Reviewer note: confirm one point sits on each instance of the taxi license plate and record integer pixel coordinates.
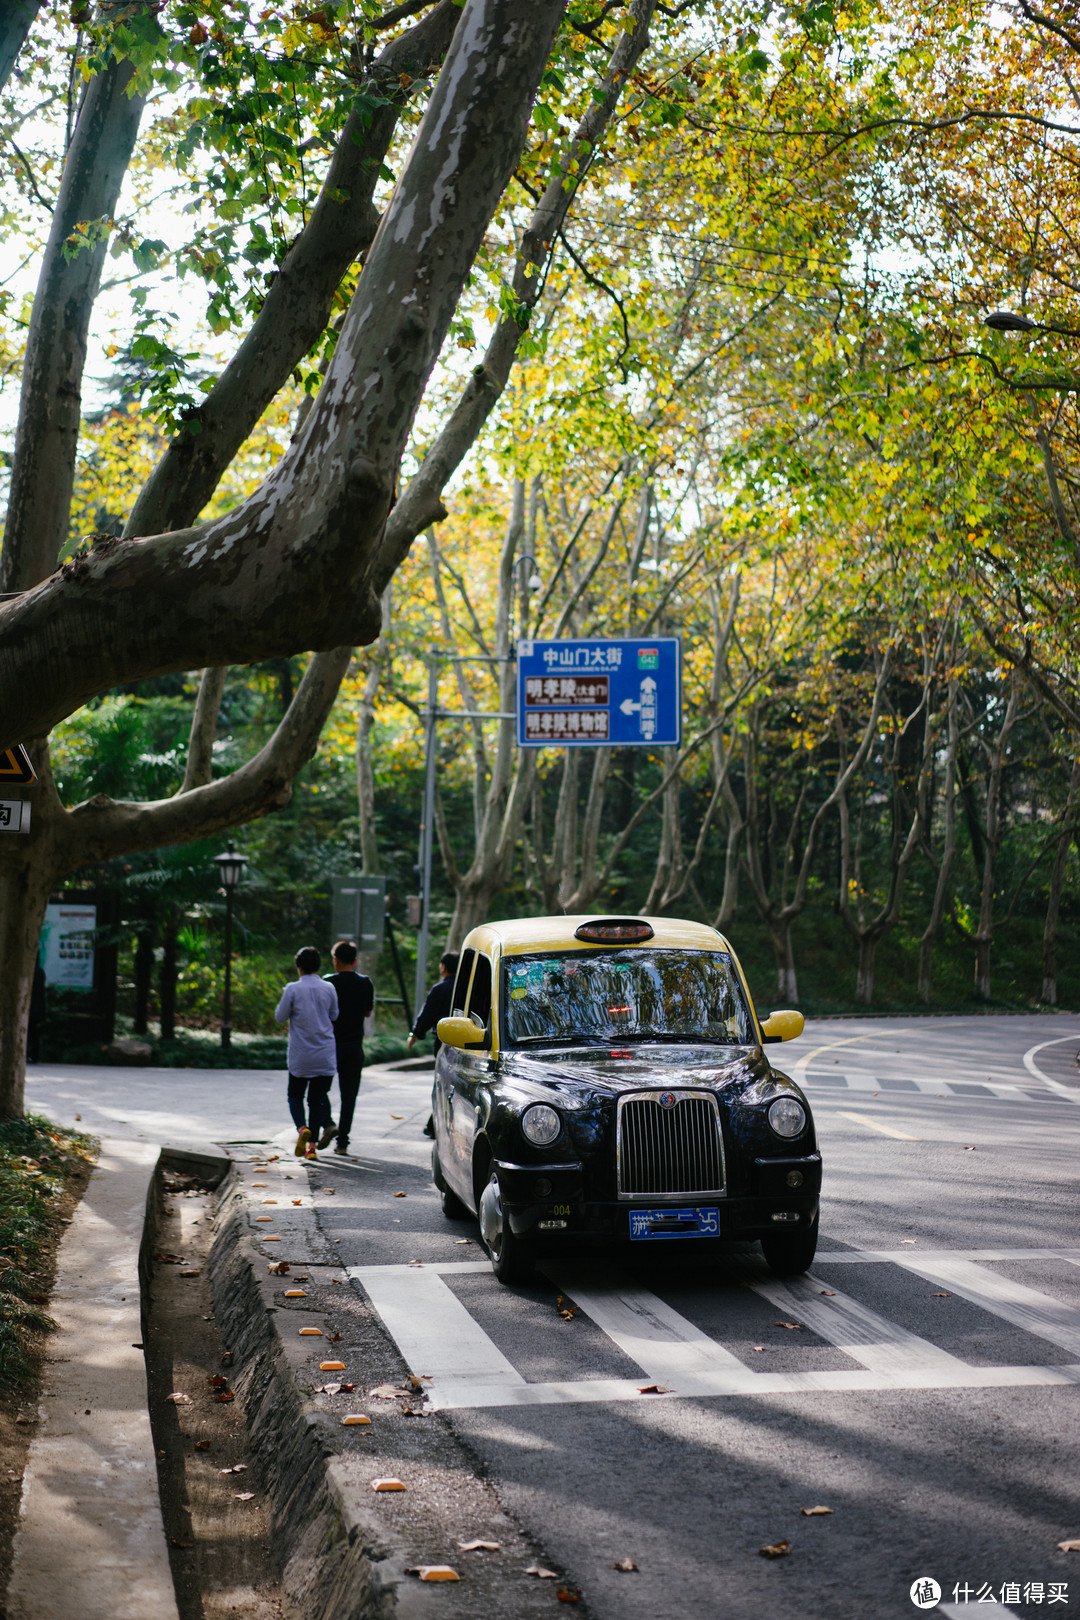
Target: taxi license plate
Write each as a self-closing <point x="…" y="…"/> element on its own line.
<point x="674" y="1223"/>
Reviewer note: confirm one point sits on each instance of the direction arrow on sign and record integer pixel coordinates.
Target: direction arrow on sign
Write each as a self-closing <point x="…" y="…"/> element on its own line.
<point x="15" y="767"/>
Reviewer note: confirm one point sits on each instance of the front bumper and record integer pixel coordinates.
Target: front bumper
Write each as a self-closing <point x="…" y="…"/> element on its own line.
<point x="565" y="1211"/>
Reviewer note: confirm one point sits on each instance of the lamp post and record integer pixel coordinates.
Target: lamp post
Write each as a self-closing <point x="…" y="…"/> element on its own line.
<point x="1007" y="320"/>
<point x="230" y="870"/>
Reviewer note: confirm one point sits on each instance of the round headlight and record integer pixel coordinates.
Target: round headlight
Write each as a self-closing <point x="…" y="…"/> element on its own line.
<point x="787" y="1117"/>
<point x="540" y="1125"/>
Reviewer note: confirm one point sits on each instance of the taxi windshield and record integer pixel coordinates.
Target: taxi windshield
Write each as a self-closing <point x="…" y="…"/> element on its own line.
<point x="570" y="997"/>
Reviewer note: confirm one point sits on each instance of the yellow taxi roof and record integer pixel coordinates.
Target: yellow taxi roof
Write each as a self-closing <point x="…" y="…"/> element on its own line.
<point x="515" y="935"/>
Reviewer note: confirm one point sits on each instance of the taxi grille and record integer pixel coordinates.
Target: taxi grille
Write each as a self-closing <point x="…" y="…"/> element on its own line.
<point x="673" y="1150"/>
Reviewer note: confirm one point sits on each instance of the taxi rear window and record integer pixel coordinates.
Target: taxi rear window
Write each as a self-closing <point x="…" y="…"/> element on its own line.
<point x="585" y="997"/>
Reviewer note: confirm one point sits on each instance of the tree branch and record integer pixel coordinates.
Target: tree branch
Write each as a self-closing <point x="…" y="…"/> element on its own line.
<point x="16" y="21"/>
<point x="200" y="755"/>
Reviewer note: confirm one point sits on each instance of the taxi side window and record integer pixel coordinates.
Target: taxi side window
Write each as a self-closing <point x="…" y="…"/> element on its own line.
<point x="480" y="996"/>
<point x="461" y="984"/>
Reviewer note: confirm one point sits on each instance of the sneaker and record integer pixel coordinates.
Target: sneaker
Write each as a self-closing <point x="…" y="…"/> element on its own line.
<point x="303" y="1142"/>
<point x="341" y="1145"/>
<point x="328" y="1135"/>
<point x="310" y="1153"/>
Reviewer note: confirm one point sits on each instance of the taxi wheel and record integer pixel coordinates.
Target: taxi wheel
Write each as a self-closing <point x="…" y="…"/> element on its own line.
<point x="788" y="1253"/>
<point x="511" y="1260"/>
<point x="451" y="1204"/>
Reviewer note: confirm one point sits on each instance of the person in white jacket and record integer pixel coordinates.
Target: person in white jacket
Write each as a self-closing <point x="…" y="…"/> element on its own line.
<point x="310" y="1005"/>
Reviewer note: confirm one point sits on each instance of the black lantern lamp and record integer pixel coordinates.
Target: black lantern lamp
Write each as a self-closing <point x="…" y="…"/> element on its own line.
<point x="231" y="867"/>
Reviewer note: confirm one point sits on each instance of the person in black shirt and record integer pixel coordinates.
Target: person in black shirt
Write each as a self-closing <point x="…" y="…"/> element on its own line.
<point x="437" y="1004"/>
<point x="356" y="999"/>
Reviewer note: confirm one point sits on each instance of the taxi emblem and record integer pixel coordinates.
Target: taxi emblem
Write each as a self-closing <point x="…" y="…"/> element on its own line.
<point x="667" y="1099"/>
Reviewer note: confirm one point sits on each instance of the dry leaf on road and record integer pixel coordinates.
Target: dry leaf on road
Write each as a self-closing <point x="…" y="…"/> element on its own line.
<point x="788" y="1325"/>
<point x="278" y="1268"/>
<point x="387" y="1392"/>
<point x="178" y="1398"/>
<point x="810" y="1513"/>
<point x="779" y="1549"/>
<point x="941" y="1296"/>
<point x="1068" y="1546"/>
<point x="480" y="1546"/>
<point x="244" y="1496"/>
<point x="401" y="1195"/>
<point x="202" y="1445"/>
<point x="757" y="1347"/>
<point x="830" y="1293"/>
<point x="544" y="1574"/>
<point x="654" y="1389"/>
<point x="626" y="1565"/>
<point x="569" y="1594"/>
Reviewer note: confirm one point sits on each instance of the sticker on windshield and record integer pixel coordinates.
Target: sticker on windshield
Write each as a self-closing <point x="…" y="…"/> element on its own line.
<point x="536" y="975"/>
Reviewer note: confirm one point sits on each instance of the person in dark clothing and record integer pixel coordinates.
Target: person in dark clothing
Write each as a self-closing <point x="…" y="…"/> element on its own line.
<point x="437" y="1004"/>
<point x="356" y="1000"/>
<point x="36" y="1021"/>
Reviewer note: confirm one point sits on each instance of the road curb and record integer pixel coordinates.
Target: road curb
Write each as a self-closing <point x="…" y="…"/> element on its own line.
<point x="336" y="1561"/>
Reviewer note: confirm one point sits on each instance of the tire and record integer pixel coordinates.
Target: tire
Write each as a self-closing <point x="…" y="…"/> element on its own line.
<point x="449" y="1202"/>
<point x="789" y="1253"/>
<point x="511" y="1260"/>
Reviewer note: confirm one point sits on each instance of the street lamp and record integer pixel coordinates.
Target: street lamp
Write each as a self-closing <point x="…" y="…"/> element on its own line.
<point x="230" y="870"/>
<point x="1007" y="320"/>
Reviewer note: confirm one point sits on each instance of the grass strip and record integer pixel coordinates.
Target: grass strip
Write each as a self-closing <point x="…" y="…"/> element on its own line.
<point x="43" y="1170"/>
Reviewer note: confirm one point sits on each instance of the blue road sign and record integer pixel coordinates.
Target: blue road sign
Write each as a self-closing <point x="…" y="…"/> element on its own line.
<point x="584" y="694"/>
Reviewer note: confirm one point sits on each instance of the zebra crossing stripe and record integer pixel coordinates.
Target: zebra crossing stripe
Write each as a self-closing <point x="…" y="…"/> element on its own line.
<point x="1027" y="1308"/>
<point x="871" y="1340"/>
<point x="437" y="1336"/>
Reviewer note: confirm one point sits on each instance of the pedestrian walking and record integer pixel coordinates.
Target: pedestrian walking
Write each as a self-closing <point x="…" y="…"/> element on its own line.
<point x="356" y="1001"/>
<point x="437" y="1004"/>
<point x="310" y="1005"/>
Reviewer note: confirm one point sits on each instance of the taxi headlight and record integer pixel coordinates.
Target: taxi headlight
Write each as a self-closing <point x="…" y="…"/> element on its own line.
<point x="787" y="1117"/>
<point x="540" y="1125"/>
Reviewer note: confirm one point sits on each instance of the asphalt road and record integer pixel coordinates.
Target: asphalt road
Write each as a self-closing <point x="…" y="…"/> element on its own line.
<point x="923" y="1384"/>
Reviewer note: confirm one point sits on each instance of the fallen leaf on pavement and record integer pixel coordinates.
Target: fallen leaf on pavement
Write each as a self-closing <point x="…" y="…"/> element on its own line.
<point x="227" y="1358"/>
<point x="335" y="1338"/>
<point x="234" y="1468"/>
<point x="969" y="1150"/>
<point x="544" y="1574"/>
<point x="757" y="1347"/>
<point x="829" y="1292"/>
<point x="910" y="1242"/>
<point x="191" y="1272"/>
<point x="278" y="1268"/>
<point x="218" y="1381"/>
<point x="273" y="1159"/>
<point x="810" y="1513"/>
<point x="202" y="1445"/>
<point x="779" y="1549"/>
<point x="243" y="1496"/>
<point x="1069" y="1546"/>
<point x="567" y="1312"/>
<point x="654" y="1389"/>
<point x="224" y="1396"/>
<point x="348" y="1388"/>
<point x="387" y="1485"/>
<point x="459" y="1241"/>
<point x="178" y="1398"/>
<point x="434" y="1572"/>
<point x="627" y="1565"/>
<point x="177" y="1541"/>
<point x="331" y="1389"/>
<point x="339" y="1280"/>
<point x="480" y="1546"/>
<point x="941" y="1296"/>
<point x="397" y="1116"/>
<point x="569" y="1594"/>
<point x="387" y="1392"/>
<point x="298" y="1200"/>
<point x="401" y="1195"/>
<point x="78" y="1116"/>
<point x="788" y="1325"/>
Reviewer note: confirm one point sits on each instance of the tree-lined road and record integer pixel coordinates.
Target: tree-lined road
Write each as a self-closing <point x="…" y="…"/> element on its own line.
<point x="927" y="1391"/>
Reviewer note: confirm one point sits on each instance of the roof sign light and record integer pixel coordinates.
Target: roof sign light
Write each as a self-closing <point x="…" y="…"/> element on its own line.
<point x="608" y="930"/>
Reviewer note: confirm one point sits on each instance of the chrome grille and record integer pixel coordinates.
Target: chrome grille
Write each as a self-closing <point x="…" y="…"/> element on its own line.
<point x="674" y="1151"/>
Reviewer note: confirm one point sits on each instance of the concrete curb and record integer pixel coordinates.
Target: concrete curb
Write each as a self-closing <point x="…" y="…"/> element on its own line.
<point x="336" y="1561"/>
<point x="90" y="1540"/>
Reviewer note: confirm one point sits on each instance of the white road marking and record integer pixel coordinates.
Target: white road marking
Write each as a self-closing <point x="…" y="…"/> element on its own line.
<point x="434" y="1332"/>
<point x="876" y="1125"/>
<point x="962" y="1611"/>
<point x="870" y="1339"/>
<point x="1033" y="1068"/>
<point x="664" y="1344"/>
<point x="438" y="1336"/>
<point x="1027" y="1308"/>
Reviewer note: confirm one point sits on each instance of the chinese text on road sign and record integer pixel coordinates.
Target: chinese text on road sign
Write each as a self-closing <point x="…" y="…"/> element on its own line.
<point x="577" y="694"/>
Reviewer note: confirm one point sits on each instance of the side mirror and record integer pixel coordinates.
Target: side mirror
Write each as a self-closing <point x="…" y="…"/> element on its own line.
<point x="782" y="1026"/>
<point x="460" y="1032"/>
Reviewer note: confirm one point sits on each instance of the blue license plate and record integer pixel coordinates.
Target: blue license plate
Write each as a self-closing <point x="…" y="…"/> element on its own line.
<point x="674" y="1223"/>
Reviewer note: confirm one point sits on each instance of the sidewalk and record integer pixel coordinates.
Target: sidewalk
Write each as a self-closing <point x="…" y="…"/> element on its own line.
<point x="90" y="1541"/>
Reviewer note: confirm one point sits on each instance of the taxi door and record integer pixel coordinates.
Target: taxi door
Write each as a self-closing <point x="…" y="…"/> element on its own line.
<point x="470" y="1069"/>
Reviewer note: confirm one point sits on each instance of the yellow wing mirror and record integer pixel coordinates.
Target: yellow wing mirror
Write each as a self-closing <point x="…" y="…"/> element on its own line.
<point x="779" y="1026"/>
<point x="460" y="1032"/>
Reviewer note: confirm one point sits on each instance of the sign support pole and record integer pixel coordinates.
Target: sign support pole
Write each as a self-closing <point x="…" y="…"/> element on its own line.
<point x="427" y="829"/>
